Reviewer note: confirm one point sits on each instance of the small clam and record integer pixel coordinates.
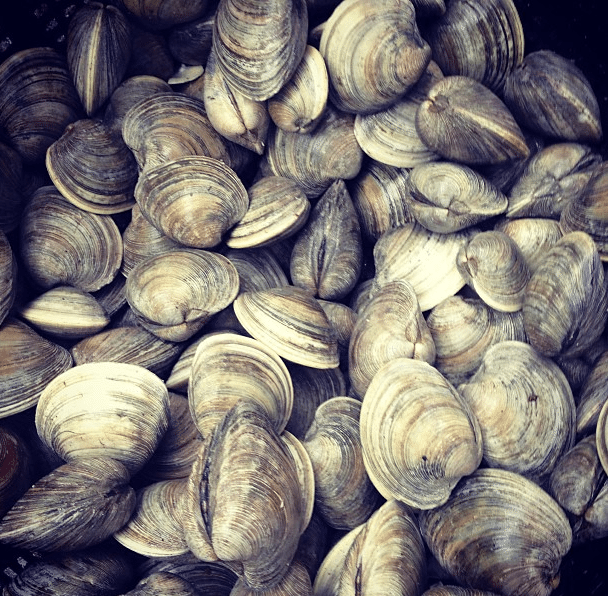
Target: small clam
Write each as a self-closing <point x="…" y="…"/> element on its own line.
<point x="104" y="409"/>
<point x="98" y="52"/>
<point x="77" y="505"/>
<point x="419" y="436"/>
<point x="174" y="294"/>
<point x="374" y="53"/>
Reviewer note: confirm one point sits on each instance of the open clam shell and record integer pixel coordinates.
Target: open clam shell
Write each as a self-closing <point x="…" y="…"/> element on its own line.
<point x="105" y="409"/>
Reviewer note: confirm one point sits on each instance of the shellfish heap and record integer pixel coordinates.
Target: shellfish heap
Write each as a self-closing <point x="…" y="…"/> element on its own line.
<point x="300" y="297"/>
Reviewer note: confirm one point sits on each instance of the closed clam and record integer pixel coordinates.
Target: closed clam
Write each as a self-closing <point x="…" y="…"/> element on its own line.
<point x="419" y="436"/>
<point x="525" y="408"/>
<point x="63" y="245"/>
<point x="174" y="294"/>
<point x="497" y="507"/>
<point x="104" y="409"/>
<point x="446" y="197"/>
<point x="374" y="53"/>
<point x="259" y="45"/>
<point x="77" y="505"/>
<point x="98" y="52"/>
<point x="194" y="200"/>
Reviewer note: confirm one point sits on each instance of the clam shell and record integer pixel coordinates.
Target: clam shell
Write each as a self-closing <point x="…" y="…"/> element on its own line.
<point x="292" y="323"/>
<point x="419" y="436"/>
<point x="64" y="245"/>
<point x="374" y="53"/>
<point x="596" y="518"/>
<point x="8" y="275"/>
<point x="190" y="42"/>
<point x="27" y="363"/>
<point x="163" y="582"/>
<point x="296" y="581"/>
<point x="228" y="367"/>
<point x="113" y="409"/>
<point x="259" y="45"/>
<point x="525" y="408"/>
<point x="300" y="103"/>
<point x="77" y="505"/>
<point x="93" y="168"/>
<point x="193" y="200"/>
<point x="601" y="437"/>
<point x="155" y="528"/>
<point x="98" y="52"/>
<point x="493" y="507"/>
<point x="464" y="121"/>
<point x="259" y="269"/>
<point x="174" y="294"/>
<point x="390" y="326"/>
<point x="592" y="396"/>
<point x="327" y="254"/>
<point x="342" y="319"/>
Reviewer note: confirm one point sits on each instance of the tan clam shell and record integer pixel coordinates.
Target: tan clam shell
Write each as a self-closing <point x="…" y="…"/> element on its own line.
<point x="300" y="103"/>
<point x="565" y="300"/>
<point x="193" y="200"/>
<point x="292" y="323"/>
<point x="463" y="329"/>
<point x="259" y="45"/>
<point x="464" y="121"/>
<point x="228" y="367"/>
<point x="179" y="377"/>
<point x="113" y="409"/>
<point x="525" y="408"/>
<point x="492" y="507"/>
<point x="552" y="178"/>
<point x="481" y="40"/>
<point x="278" y="208"/>
<point x="425" y="259"/>
<point x="493" y="266"/>
<point x="63" y="245"/>
<point x="155" y="528"/>
<point x="8" y="275"/>
<point x="374" y="53"/>
<point x="418" y="434"/>
<point x="174" y="294"/>
<point x="37" y="100"/>
<point x="344" y="494"/>
<point x="327" y="255"/>
<point x="390" y="326"/>
<point x="28" y="362"/>
<point x="98" y="52"/>
<point x="77" y="505"/>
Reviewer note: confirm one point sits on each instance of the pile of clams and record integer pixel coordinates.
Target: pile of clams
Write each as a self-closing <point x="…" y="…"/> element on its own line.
<point x="300" y="297"/>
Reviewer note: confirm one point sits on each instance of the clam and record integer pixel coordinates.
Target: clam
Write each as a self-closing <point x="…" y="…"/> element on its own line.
<point x="11" y="189"/>
<point x="550" y="95"/>
<point x="259" y="269"/>
<point x="190" y="42"/>
<point x="326" y="257"/>
<point x="342" y="319"/>
<point x="112" y="296"/>
<point x="464" y="121"/>
<point x="482" y="40"/>
<point x="344" y="494"/>
<point x="93" y="168"/>
<point x="463" y="329"/>
<point x="292" y="323"/>
<point x="16" y="464"/>
<point x="278" y="208"/>
<point x="235" y="116"/>
<point x="155" y="528"/>
<point x="552" y="178"/>
<point x="116" y="410"/>
<point x="565" y="300"/>
<point x="500" y="532"/>
<point x="174" y="294"/>
<point x="419" y="436"/>
<point x="390" y="326"/>
<point x="493" y="266"/>
<point x="228" y="367"/>
<point x="63" y="245"/>
<point x="295" y="582"/>
<point x="592" y="396"/>
<point x="446" y="197"/>
<point x="37" y="101"/>
<point x="98" y="52"/>
<point x="28" y="362"/>
<point x="374" y="53"/>
<point x="8" y="277"/>
<point x="595" y="521"/>
<point x="525" y="408"/>
<point x="259" y="45"/>
<point x="77" y="505"/>
<point x="300" y="103"/>
<point x="163" y="582"/>
<point x="65" y="312"/>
